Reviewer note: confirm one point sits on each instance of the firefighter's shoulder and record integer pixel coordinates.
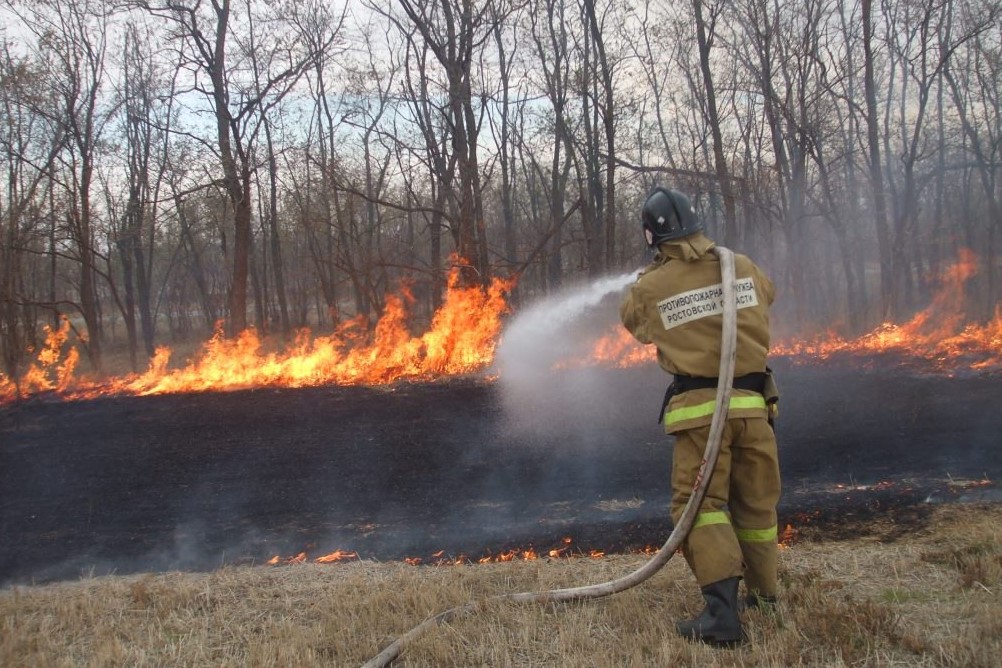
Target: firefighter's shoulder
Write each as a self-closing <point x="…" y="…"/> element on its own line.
<point x="653" y="266"/>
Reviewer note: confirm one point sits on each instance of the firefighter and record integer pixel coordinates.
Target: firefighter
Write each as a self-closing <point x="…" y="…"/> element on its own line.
<point x="677" y="305"/>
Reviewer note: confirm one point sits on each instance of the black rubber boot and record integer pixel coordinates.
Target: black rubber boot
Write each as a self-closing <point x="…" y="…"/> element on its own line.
<point x="718" y="624"/>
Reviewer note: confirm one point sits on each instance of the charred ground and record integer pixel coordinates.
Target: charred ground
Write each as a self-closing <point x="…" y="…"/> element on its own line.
<point x="463" y="466"/>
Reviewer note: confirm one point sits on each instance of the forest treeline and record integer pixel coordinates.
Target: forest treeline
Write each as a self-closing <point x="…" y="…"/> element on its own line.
<point x="172" y="164"/>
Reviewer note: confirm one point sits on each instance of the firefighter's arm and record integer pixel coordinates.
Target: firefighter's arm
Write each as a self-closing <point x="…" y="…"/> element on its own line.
<point x="633" y="315"/>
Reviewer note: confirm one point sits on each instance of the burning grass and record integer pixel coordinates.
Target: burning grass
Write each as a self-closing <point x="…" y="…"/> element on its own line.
<point x="460" y="339"/>
<point x="931" y="598"/>
<point x="939" y="338"/>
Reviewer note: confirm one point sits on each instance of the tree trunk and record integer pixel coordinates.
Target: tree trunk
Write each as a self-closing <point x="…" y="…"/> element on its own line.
<point x="876" y="175"/>
<point x="278" y="266"/>
<point x="704" y="41"/>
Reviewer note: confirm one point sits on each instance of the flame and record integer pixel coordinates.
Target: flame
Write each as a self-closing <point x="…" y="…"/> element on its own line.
<point x="937" y="335"/>
<point x="788" y="537"/>
<point x="511" y="555"/>
<point x="335" y="556"/>
<point x="617" y="349"/>
<point x="876" y="487"/>
<point x="561" y="551"/>
<point x="508" y="556"/>
<point x="298" y="559"/>
<point x="52" y="370"/>
<point x="301" y="558"/>
<point x="961" y="484"/>
<point x="461" y="338"/>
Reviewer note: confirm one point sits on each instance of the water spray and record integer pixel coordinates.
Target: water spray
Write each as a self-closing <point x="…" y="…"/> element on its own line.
<point x="528" y="349"/>
<point x="675" y="539"/>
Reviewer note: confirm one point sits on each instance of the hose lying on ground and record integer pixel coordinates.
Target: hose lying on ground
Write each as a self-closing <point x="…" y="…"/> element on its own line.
<point x="678" y="534"/>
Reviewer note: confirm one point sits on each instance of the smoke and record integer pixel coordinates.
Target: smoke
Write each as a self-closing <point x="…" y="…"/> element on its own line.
<point x="546" y="384"/>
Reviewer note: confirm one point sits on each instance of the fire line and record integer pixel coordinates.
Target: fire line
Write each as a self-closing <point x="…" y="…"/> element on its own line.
<point x="462" y="338"/>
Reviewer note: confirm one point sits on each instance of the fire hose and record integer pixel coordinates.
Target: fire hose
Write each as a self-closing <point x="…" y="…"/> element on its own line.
<point x="679" y="532"/>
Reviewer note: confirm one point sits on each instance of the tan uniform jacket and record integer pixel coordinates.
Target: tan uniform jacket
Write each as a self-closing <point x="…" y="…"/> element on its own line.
<point x="676" y="304"/>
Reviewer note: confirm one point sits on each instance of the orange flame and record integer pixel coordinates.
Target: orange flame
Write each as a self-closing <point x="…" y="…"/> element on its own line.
<point x="937" y="335"/>
<point x="788" y="538"/>
<point x="618" y="349"/>
<point x="528" y="554"/>
<point x="335" y="556"/>
<point x="301" y="558"/>
<point x="561" y="551"/>
<point x="461" y="339"/>
<point x="51" y="371"/>
<point x="514" y="555"/>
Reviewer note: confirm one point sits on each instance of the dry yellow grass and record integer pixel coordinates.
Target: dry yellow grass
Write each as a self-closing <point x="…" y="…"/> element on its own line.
<point x="930" y="599"/>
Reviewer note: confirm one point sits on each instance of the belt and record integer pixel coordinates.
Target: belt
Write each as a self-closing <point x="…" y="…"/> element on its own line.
<point x="682" y="383"/>
<point x="752" y="381"/>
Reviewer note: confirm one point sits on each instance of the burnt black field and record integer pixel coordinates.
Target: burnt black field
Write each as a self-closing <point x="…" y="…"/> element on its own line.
<point x="463" y="466"/>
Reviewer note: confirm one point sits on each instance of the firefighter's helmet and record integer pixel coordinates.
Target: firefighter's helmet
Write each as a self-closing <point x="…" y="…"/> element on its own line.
<point x="667" y="215"/>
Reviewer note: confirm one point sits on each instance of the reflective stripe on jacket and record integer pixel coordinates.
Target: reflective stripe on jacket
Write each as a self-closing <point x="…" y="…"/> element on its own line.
<point x="675" y="417"/>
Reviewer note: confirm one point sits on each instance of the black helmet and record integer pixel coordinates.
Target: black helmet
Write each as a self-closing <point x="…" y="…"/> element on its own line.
<point x="667" y="215"/>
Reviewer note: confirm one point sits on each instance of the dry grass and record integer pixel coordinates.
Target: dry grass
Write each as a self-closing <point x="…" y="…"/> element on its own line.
<point x="930" y="599"/>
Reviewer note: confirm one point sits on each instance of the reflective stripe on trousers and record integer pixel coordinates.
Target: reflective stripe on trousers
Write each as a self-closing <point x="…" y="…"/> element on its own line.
<point x="745" y="535"/>
<point x="758" y="535"/>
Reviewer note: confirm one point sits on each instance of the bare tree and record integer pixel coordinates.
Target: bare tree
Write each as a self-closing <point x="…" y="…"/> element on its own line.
<point x="315" y="190"/>
<point x="920" y="43"/>
<point x="785" y="61"/>
<point x="72" y="41"/>
<point x="706" y="25"/>
<point x="239" y="106"/>
<point x="30" y="140"/>
<point x="454" y="31"/>
<point x="550" y="35"/>
<point x="143" y="129"/>
<point x="431" y="118"/>
<point x="372" y="88"/>
<point x="874" y="161"/>
<point x="605" y="105"/>
<point x="509" y="108"/>
<point x="976" y="91"/>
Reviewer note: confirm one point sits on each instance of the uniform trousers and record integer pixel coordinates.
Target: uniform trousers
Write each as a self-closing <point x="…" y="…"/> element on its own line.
<point x="735" y="532"/>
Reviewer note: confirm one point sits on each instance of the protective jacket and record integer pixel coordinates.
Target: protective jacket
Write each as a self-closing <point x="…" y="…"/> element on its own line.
<point x="677" y="304"/>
